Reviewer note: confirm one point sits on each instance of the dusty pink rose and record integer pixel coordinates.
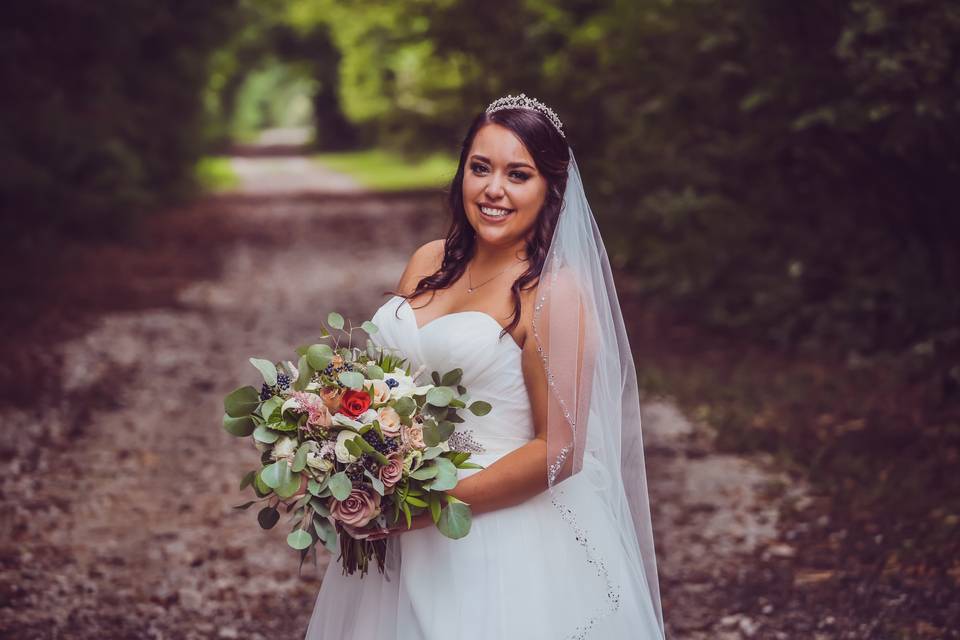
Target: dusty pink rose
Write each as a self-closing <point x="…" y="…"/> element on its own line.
<point x="392" y="472"/>
<point x="359" y="508"/>
<point x="412" y="436"/>
<point x="381" y="391"/>
<point x="389" y="421"/>
<point x="331" y="397"/>
<point x="317" y="412"/>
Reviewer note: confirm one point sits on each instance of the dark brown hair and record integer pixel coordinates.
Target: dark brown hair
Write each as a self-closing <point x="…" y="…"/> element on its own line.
<point x="551" y="156"/>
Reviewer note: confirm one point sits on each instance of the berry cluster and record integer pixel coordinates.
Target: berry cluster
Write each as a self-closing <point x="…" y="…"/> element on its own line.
<point x="392" y="383"/>
<point x="283" y="381"/>
<point x="374" y="441"/>
<point x="354" y="471"/>
<point x="265" y="392"/>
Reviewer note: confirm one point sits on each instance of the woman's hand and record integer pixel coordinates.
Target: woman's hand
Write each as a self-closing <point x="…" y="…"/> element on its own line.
<point x="417" y="522"/>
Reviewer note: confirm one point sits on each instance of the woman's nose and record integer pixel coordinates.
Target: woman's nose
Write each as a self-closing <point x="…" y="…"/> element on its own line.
<point x="494" y="188"/>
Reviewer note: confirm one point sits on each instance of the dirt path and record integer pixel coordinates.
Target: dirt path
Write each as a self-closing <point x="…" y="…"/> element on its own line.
<point x="117" y="493"/>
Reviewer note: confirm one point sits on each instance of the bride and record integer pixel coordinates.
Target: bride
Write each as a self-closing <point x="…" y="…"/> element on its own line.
<point x="520" y="296"/>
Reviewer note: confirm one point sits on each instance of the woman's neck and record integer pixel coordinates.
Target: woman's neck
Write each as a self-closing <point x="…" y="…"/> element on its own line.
<point x="489" y="256"/>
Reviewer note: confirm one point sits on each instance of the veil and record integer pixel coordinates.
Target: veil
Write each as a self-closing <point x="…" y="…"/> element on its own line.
<point x="593" y="411"/>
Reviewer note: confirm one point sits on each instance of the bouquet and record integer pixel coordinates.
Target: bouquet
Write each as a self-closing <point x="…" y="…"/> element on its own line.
<point x="350" y="444"/>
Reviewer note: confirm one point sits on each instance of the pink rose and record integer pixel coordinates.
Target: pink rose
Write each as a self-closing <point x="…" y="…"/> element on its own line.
<point x="412" y="436"/>
<point x="389" y="421"/>
<point x="392" y="472"/>
<point x="317" y="412"/>
<point x="359" y="508"/>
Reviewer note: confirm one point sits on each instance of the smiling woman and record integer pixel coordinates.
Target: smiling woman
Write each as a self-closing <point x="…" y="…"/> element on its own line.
<point x="557" y="546"/>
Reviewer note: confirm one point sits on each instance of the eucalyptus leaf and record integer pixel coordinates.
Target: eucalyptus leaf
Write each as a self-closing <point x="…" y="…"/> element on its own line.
<point x="340" y="486"/>
<point x="452" y="378"/>
<point x="268" y="517"/>
<point x="435" y="377"/>
<point x="315" y="487"/>
<point x="369" y="327"/>
<point x="352" y="447"/>
<point x="327" y="533"/>
<point x="247" y="479"/>
<point x="434" y="433"/>
<point x="240" y="427"/>
<point x="440" y="396"/>
<point x="431" y="452"/>
<point x="267" y="369"/>
<point x="319" y="356"/>
<point x="319" y="507"/>
<point x="304" y="373"/>
<point x="351" y="379"/>
<point x="446" y="475"/>
<point x="241" y="402"/>
<point x="425" y="472"/>
<point x="290" y="487"/>
<point x="276" y="474"/>
<point x="480" y="408"/>
<point x="265" y="435"/>
<point x="435" y="506"/>
<point x="374" y="372"/>
<point x="417" y="502"/>
<point x="300" y="460"/>
<point x="376" y="482"/>
<point x="299" y="539"/>
<point x="260" y="487"/>
<point x="455" y="520"/>
<point x="335" y="320"/>
<point x="270" y="406"/>
<point x="405" y="406"/>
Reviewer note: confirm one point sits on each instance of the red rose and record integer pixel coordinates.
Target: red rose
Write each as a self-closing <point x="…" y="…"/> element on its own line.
<point x="354" y="403"/>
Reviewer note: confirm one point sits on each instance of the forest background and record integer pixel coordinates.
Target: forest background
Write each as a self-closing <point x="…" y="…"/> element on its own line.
<point x="775" y="181"/>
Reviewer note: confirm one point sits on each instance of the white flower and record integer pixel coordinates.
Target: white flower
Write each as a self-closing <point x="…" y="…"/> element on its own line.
<point x="405" y="385"/>
<point x="284" y="448"/>
<point x="367" y="416"/>
<point x="315" y="460"/>
<point x="343" y="455"/>
<point x="344" y="421"/>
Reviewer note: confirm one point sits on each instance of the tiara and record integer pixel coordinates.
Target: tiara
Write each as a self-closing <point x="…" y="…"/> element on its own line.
<point x="523" y="102"/>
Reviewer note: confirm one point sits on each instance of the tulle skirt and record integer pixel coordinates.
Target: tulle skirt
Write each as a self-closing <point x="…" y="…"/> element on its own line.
<point x="551" y="567"/>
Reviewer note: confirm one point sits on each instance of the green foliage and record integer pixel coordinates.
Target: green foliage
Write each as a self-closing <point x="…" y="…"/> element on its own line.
<point x="382" y="170"/>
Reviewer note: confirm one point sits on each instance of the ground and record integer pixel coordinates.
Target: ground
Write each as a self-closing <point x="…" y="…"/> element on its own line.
<point x="118" y="482"/>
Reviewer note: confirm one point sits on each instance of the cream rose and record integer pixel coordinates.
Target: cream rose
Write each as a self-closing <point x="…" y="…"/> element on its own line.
<point x="358" y="509"/>
<point x="331" y="397"/>
<point x="412" y="436"/>
<point x="284" y="448"/>
<point x="340" y="448"/>
<point x="389" y="421"/>
<point x="381" y="391"/>
<point x="316" y="461"/>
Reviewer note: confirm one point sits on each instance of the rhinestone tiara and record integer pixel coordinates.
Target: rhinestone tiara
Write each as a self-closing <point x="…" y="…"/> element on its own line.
<point x="523" y="102"/>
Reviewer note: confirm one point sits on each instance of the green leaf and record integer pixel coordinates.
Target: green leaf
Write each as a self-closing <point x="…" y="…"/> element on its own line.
<point x="240" y="427"/>
<point x="452" y="378"/>
<point x="300" y="460"/>
<point x="446" y="475"/>
<point x="455" y="520"/>
<point x="299" y="539"/>
<point x="335" y="320"/>
<point x="265" y="435"/>
<point x="470" y="465"/>
<point x="435" y="377"/>
<point x="276" y="474"/>
<point x="340" y="485"/>
<point x="431" y="453"/>
<point x="376" y="482"/>
<point x="304" y="373"/>
<point x="268" y="517"/>
<point x="327" y="533"/>
<point x="290" y="487"/>
<point x="366" y="447"/>
<point x="241" y="402"/>
<point x="351" y="379"/>
<point x="319" y="507"/>
<point x="405" y="406"/>
<point x="369" y="327"/>
<point x="440" y="396"/>
<point x="319" y="356"/>
<point x="259" y="486"/>
<point x="267" y="369"/>
<point x="315" y="487"/>
<point x="245" y="505"/>
<point x="425" y="472"/>
<point x="247" y="479"/>
<point x="406" y="513"/>
<point x="457" y="404"/>
<point x="270" y="406"/>
<point x="352" y="447"/>
<point x="435" y="433"/>
<point x="374" y="372"/>
<point x="417" y="502"/>
<point x="480" y="408"/>
<point x="435" y="506"/>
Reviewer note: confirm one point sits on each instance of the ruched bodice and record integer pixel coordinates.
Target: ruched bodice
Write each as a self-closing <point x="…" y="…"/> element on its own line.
<point x="491" y="368"/>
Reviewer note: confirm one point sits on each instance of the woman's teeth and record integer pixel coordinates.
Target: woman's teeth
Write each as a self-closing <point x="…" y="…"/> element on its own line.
<point x="495" y="213"/>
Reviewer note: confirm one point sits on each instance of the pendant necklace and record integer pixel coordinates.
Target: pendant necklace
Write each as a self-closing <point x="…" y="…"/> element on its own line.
<point x="471" y="288"/>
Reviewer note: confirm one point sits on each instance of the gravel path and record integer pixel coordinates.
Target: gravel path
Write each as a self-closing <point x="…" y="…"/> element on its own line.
<point x="118" y="493"/>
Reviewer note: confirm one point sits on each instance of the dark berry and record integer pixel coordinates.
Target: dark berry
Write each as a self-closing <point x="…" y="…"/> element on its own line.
<point x="392" y="383"/>
<point x="283" y="381"/>
<point x="265" y="392"/>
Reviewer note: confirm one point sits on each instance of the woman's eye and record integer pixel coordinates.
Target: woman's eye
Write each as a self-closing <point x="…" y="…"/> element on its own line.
<point x="476" y="168"/>
<point x="520" y="175"/>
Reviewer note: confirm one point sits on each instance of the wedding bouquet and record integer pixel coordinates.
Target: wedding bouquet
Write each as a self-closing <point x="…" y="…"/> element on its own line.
<point x="350" y="444"/>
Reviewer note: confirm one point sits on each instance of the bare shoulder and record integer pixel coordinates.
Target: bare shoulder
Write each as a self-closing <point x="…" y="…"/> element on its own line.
<point x="424" y="261"/>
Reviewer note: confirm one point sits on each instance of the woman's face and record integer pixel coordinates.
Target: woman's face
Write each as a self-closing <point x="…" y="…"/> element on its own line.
<point x="502" y="189"/>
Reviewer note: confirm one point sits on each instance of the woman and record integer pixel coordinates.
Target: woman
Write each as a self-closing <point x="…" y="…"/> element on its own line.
<point x="520" y="296"/>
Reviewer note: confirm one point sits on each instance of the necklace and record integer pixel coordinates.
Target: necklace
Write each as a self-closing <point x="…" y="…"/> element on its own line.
<point x="471" y="288"/>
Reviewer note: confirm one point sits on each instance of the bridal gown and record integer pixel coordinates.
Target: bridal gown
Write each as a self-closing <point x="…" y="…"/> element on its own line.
<point x="550" y="567"/>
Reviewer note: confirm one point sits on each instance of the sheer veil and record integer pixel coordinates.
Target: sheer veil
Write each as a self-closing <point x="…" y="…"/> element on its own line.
<point x="593" y="411"/>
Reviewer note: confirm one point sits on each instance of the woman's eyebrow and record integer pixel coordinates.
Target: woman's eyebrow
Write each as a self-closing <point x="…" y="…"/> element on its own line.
<point x="509" y="164"/>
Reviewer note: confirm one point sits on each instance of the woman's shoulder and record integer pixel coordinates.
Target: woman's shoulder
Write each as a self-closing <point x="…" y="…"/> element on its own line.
<point x="424" y="262"/>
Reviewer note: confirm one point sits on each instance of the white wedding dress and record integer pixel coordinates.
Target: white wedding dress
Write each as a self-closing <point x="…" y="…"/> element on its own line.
<point x="531" y="571"/>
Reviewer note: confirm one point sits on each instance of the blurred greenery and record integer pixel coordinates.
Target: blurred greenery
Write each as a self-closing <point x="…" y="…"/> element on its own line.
<point x="387" y="171"/>
<point x="214" y="173"/>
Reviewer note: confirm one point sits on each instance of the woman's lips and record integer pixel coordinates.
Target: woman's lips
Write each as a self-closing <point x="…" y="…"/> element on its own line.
<point x="495" y="218"/>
